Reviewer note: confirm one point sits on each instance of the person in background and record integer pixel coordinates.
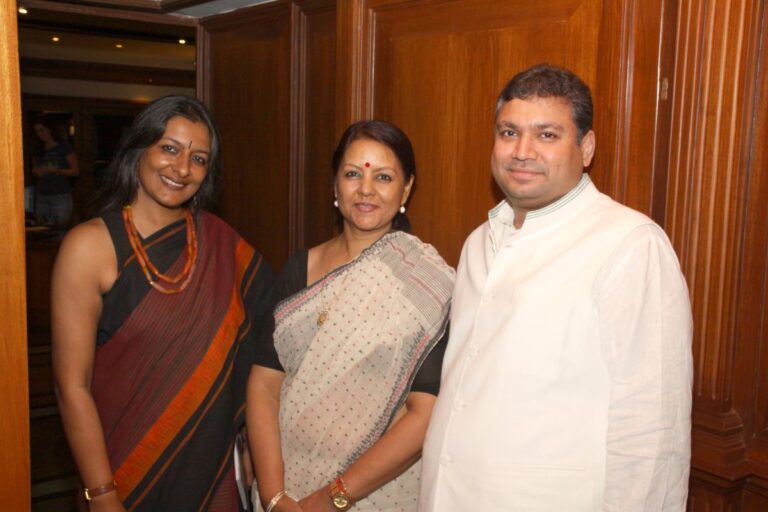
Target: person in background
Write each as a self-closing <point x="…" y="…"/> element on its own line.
<point x="567" y="381"/>
<point x="342" y="390"/>
<point x="155" y="308"/>
<point x="54" y="165"/>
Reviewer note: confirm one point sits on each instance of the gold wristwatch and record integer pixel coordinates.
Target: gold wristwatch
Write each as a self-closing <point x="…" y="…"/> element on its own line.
<point x="339" y="496"/>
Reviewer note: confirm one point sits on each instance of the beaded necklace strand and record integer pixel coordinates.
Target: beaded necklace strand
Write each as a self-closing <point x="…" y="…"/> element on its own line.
<point x="185" y="276"/>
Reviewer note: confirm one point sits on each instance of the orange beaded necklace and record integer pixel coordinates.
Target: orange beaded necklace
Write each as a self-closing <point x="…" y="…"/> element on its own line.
<point x="185" y="276"/>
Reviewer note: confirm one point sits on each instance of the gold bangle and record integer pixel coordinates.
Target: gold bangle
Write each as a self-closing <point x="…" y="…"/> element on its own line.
<point x="98" y="491"/>
<point x="273" y="502"/>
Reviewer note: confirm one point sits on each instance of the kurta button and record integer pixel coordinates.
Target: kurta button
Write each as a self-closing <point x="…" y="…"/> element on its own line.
<point x="445" y="459"/>
<point x="473" y="350"/>
<point x="458" y="405"/>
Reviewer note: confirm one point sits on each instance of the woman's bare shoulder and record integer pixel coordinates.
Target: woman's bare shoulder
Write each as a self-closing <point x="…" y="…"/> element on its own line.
<point x="87" y="250"/>
<point x="86" y="237"/>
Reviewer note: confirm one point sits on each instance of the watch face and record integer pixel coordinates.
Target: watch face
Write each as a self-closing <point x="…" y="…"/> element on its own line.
<point x="340" y="502"/>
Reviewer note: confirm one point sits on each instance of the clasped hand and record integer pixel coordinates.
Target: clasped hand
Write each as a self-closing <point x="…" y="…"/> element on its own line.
<point x="318" y="501"/>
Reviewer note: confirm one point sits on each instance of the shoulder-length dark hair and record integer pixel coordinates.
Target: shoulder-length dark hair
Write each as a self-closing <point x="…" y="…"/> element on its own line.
<point x="121" y="178"/>
<point x="391" y="136"/>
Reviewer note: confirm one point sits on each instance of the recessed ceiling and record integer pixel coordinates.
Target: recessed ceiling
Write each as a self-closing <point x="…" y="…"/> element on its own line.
<point x="39" y="44"/>
<point x="86" y="35"/>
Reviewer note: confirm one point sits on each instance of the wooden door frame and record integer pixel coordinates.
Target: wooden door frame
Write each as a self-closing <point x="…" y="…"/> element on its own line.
<point x="14" y="422"/>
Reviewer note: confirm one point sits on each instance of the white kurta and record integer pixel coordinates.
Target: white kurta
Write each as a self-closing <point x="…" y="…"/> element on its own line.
<point x="567" y="378"/>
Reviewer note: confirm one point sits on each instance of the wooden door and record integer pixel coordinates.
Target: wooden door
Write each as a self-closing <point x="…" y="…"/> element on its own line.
<point x="269" y="79"/>
<point x="434" y="68"/>
<point x="14" y="420"/>
<point x="247" y="85"/>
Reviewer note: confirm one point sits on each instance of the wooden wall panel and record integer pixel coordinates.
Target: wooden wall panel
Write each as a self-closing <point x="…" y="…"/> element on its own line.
<point x="314" y="136"/>
<point x="750" y="374"/>
<point x="435" y="68"/>
<point x="269" y="78"/>
<point x="716" y="214"/>
<point x="680" y="88"/>
<point x="246" y="82"/>
<point x="14" y="420"/>
<point x="713" y="97"/>
<point x="755" y="496"/>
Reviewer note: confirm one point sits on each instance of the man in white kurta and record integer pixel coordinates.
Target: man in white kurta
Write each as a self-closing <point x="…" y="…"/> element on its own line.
<point x="567" y="378"/>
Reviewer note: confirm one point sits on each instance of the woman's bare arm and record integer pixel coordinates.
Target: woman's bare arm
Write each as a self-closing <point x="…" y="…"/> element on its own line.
<point x="262" y="414"/>
<point x="85" y="268"/>
<point x="391" y="455"/>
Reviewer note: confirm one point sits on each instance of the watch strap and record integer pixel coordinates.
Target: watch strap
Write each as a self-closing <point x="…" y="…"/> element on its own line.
<point x="98" y="491"/>
<point x="339" y="494"/>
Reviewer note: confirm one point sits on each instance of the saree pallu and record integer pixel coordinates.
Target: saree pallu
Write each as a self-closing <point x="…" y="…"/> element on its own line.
<point x="347" y="379"/>
<point x="169" y="383"/>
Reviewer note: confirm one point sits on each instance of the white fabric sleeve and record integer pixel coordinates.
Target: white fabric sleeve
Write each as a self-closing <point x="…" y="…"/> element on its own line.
<point x="645" y="326"/>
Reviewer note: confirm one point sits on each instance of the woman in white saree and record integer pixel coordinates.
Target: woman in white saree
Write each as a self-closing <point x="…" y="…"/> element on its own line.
<point x="341" y="394"/>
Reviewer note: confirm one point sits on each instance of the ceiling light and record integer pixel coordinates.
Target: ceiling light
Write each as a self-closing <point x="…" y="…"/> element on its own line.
<point x="118" y="45"/>
<point x="182" y="41"/>
<point x="55" y="39"/>
<point x="23" y="10"/>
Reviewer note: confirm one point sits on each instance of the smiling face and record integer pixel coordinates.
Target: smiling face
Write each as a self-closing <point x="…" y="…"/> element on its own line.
<point x="536" y="157"/>
<point x="370" y="186"/>
<point x="173" y="168"/>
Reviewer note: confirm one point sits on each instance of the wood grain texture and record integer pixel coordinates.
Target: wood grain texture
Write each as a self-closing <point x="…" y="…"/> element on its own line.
<point x="313" y="138"/>
<point x="14" y="420"/>
<point x="716" y="214"/>
<point x="750" y="375"/>
<point x="246" y="56"/>
<point x="709" y="167"/>
<point x="435" y="68"/>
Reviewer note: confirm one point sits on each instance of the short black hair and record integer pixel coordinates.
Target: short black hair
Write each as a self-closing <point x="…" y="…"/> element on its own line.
<point x="547" y="81"/>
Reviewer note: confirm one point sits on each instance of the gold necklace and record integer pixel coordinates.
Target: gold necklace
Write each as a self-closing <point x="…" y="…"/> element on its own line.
<point x="325" y="308"/>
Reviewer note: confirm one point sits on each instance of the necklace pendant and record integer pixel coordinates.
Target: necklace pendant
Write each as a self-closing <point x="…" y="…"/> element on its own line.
<point x="322" y="317"/>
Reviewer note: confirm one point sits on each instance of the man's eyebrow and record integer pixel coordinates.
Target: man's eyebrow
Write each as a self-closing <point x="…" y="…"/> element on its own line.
<point x="550" y="126"/>
<point x="506" y="124"/>
<point x="538" y="126"/>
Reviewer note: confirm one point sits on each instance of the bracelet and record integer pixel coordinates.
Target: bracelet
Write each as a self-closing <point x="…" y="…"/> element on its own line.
<point x="274" y="500"/>
<point x="339" y="495"/>
<point x="98" y="491"/>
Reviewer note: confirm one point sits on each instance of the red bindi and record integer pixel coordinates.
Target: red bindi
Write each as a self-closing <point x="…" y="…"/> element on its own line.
<point x="367" y="164"/>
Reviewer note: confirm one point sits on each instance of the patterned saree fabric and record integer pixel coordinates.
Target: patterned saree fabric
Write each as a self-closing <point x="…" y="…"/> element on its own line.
<point x="347" y="379"/>
<point x="169" y="383"/>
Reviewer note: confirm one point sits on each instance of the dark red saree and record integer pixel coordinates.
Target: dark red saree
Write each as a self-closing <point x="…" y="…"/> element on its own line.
<point x="169" y="379"/>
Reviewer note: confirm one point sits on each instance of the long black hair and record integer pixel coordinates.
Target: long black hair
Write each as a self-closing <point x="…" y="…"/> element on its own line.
<point x="391" y="136"/>
<point x="121" y="178"/>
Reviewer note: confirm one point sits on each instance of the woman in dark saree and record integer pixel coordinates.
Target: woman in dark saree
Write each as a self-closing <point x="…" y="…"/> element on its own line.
<point x="341" y="393"/>
<point x="155" y="303"/>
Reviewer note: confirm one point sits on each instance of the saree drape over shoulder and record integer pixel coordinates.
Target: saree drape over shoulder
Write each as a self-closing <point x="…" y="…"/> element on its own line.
<point x="347" y="378"/>
<point x="170" y="370"/>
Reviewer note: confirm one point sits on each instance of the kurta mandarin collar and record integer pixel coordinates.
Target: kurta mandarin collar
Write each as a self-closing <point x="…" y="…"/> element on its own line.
<point x="501" y="217"/>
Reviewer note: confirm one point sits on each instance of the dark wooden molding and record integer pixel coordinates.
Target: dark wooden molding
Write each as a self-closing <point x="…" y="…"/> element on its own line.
<point x="246" y="55"/>
<point x="302" y="198"/>
<point x="102" y="72"/>
<point x="152" y="16"/>
<point x="717" y="184"/>
<point x="139" y="5"/>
